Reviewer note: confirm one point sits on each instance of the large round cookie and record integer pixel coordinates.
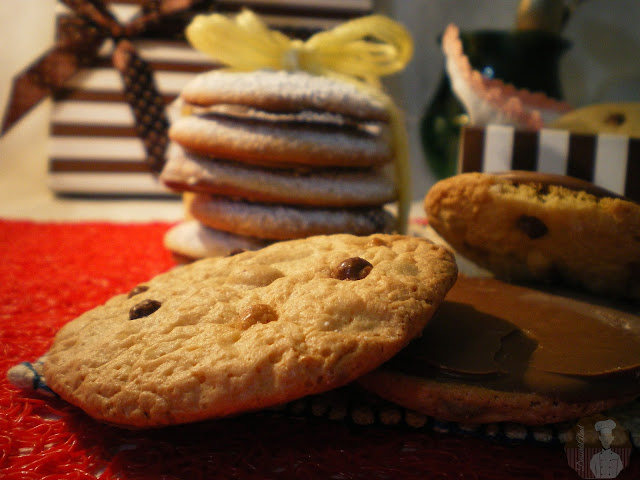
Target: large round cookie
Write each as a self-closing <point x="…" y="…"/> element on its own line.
<point x="286" y="222"/>
<point x="496" y="352"/>
<point x="280" y="91"/>
<point x="280" y="144"/>
<point x="320" y="187"/>
<point x="280" y="119"/>
<point x="541" y="227"/>
<point x="225" y="335"/>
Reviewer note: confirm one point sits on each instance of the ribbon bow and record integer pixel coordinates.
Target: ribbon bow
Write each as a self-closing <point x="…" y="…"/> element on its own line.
<point x="79" y="39"/>
<point x="365" y="48"/>
<point x="360" y="50"/>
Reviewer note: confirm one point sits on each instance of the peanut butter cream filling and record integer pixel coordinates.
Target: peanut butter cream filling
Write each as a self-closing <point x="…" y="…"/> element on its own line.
<point x="512" y="338"/>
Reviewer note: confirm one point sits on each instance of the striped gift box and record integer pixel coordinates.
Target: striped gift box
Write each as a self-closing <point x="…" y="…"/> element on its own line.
<point x="610" y="161"/>
<point x="94" y="145"/>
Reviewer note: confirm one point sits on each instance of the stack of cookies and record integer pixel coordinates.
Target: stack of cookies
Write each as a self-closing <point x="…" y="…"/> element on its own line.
<point x="271" y="155"/>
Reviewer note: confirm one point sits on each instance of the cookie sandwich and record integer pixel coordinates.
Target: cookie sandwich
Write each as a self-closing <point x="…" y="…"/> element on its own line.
<point x="498" y="352"/>
<point x="542" y="228"/>
<point x="226" y="335"/>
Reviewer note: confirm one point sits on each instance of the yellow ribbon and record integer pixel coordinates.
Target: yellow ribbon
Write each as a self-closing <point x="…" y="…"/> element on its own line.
<point x="361" y="50"/>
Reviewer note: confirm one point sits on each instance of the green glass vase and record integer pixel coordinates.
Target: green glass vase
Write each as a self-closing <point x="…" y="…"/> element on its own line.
<point x="526" y="59"/>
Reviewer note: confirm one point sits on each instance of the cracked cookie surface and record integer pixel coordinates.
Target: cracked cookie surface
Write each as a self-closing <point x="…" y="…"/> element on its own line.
<point x="226" y="335"/>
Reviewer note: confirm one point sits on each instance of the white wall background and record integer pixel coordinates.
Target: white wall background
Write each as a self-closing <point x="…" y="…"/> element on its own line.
<point x="602" y="65"/>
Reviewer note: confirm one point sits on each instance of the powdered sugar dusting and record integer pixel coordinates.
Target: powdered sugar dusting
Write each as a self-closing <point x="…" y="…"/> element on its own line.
<point x="283" y="91"/>
<point x="491" y="100"/>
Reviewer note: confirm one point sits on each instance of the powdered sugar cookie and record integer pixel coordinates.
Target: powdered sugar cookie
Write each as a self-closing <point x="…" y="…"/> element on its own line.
<point x="285" y="222"/>
<point x="280" y="144"/>
<point x="322" y="187"/>
<point x="190" y="240"/>
<point x="280" y="91"/>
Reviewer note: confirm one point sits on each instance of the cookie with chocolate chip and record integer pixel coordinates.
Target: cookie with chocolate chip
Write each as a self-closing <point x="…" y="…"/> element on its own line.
<point x="527" y="226"/>
<point x="229" y="334"/>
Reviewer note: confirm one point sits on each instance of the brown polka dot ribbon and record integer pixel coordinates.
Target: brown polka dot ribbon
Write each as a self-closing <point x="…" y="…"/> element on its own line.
<point x="79" y="38"/>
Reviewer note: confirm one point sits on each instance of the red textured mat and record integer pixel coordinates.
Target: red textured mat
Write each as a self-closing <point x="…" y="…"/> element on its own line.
<point x="50" y="273"/>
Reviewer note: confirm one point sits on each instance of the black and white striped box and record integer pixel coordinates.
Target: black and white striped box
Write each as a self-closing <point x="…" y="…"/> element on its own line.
<point x="610" y="161"/>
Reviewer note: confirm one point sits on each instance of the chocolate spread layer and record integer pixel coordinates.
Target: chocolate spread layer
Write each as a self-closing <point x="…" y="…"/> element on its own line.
<point x="512" y="338"/>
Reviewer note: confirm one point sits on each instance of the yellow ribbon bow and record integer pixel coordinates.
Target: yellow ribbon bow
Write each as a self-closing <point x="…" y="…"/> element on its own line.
<point x="361" y="50"/>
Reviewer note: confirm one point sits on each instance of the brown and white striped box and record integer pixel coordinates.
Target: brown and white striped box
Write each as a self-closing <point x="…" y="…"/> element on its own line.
<point x="94" y="147"/>
<point x="610" y="161"/>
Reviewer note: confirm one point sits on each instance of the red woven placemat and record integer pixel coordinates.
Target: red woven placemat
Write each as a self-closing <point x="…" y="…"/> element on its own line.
<point x="50" y="273"/>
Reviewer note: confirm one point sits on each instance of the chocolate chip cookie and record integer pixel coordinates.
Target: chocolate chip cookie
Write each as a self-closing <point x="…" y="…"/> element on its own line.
<point x="527" y="226"/>
<point x="225" y="335"/>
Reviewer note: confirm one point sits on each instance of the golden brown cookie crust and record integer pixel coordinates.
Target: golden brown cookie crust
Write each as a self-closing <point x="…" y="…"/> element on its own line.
<point x="222" y="336"/>
<point x="472" y="404"/>
<point x="522" y="232"/>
